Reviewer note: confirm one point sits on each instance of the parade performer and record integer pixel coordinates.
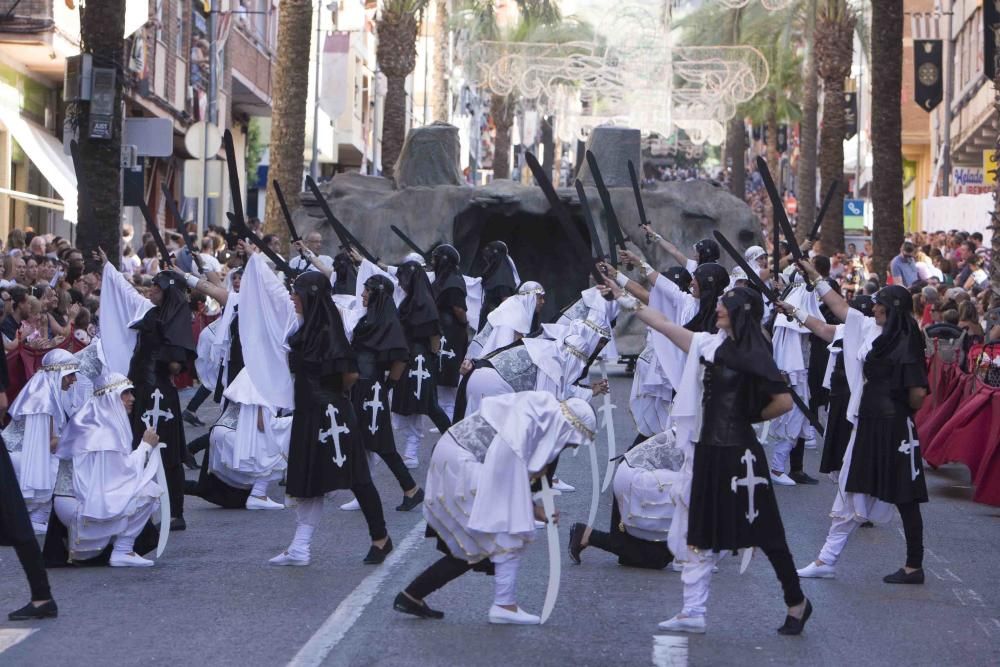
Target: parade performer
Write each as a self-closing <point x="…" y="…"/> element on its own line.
<point x="500" y="279"/>
<point x="511" y="321"/>
<point x="38" y="416"/>
<point x="479" y="496"/>
<point x="156" y="332"/>
<point x="416" y="393"/>
<point x="451" y="297"/>
<point x="106" y="492"/>
<point x="885" y="366"/>
<point x="729" y="382"/>
<point x="326" y="451"/>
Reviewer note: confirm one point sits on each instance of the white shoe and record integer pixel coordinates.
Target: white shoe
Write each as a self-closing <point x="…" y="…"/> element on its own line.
<point x="782" y="479"/>
<point x="560" y="485"/>
<point x="811" y="443"/>
<point x="265" y="503"/>
<point x="285" y="558"/>
<point x="502" y="616"/>
<point x="540" y="524"/>
<point x="693" y="624"/>
<point x="352" y="506"/>
<point x="40" y="528"/>
<point x="411" y="462"/>
<point x="814" y="571"/>
<point x="119" y="559"/>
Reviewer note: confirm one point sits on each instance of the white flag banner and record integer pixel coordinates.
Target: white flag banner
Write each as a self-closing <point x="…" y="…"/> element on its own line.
<point x="334" y="86"/>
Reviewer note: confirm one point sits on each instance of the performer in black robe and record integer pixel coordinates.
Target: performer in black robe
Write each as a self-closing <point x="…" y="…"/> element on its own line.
<point x="732" y="503"/>
<point x="326" y="451"/>
<point x="416" y="393"/>
<point x="499" y="281"/>
<point x="164" y="347"/>
<point x="383" y="355"/>
<point x="16" y="531"/>
<point x="449" y="296"/>
<point x="347" y="275"/>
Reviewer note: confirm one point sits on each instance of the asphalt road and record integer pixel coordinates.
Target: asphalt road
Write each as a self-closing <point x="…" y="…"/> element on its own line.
<point x="213" y="600"/>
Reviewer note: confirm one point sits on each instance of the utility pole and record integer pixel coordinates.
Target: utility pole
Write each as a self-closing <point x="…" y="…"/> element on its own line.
<point x="314" y="162"/>
<point x="949" y="91"/>
<point x="211" y="116"/>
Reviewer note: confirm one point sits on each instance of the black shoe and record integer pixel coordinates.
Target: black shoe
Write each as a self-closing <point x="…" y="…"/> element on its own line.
<point x="410" y="502"/>
<point x="178" y="523"/>
<point x="800" y="477"/>
<point x="376" y="556"/>
<point x="867" y="524"/>
<point x="794" y="626"/>
<point x="900" y="576"/>
<point x="407" y="606"/>
<point x="30" y="612"/>
<point x="189" y="461"/>
<point x="192" y="418"/>
<point x="575" y="541"/>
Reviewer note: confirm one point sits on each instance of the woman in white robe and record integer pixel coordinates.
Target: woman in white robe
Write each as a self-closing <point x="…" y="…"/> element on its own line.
<point x="479" y="494"/>
<point x="38" y="415"/>
<point x="510" y="321"/>
<point x="107" y="491"/>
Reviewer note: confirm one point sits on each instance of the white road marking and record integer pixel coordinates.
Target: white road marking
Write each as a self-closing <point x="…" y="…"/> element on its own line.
<point x="989" y="626"/>
<point x="10" y="637"/>
<point x="968" y="597"/>
<point x="947" y="576"/>
<point x="336" y="626"/>
<point x="670" y="651"/>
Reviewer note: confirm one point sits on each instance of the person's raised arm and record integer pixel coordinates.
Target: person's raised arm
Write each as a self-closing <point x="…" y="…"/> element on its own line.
<point x="834" y="301"/>
<point x="623" y="281"/>
<point x="677" y="334"/>
<point x="667" y="246"/>
<point x="313" y="259"/>
<point x="817" y="326"/>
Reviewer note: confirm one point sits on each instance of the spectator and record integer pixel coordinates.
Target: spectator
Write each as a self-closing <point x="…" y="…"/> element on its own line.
<point x="903" y="266"/>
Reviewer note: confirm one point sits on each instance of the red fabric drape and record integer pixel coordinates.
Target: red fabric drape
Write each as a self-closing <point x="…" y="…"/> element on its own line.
<point x="24" y="361"/>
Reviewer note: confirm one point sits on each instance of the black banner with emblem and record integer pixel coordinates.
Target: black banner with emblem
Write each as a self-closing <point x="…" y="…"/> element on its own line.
<point x="991" y="38"/>
<point x="850" y="115"/>
<point x="928" y="85"/>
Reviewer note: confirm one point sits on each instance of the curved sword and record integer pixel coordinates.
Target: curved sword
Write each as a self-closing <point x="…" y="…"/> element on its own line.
<point x="555" y="554"/>
<point x="595" y="484"/>
<point x="161" y="481"/>
<point x="607" y="411"/>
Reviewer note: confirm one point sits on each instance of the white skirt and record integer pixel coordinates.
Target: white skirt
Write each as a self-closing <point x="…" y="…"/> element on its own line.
<point x="647" y="508"/>
<point x="482" y="383"/>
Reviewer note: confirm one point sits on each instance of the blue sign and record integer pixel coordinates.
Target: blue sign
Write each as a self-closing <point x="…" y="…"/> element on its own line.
<point x="854" y="207"/>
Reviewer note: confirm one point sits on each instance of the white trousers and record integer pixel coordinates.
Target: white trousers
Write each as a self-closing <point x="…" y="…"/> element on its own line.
<point x="697" y="579"/>
<point x="66" y="509"/>
<point x="505" y="581"/>
<point x="446" y="399"/>
<point x="410" y="428"/>
<point x="780" y="452"/>
<point x="308" y="513"/>
<point x="836" y="539"/>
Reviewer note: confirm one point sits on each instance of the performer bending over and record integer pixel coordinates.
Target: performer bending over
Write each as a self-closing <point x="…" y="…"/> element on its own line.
<point x="479" y="505"/>
<point x="326" y="451"/>
<point x="884" y="362"/>
<point x="730" y="381"/>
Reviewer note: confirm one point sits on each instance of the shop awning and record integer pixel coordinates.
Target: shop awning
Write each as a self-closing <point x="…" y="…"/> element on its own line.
<point x="46" y="152"/>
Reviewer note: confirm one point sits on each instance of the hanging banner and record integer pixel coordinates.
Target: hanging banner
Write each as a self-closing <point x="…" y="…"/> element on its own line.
<point x="850" y="115"/>
<point x="334" y="85"/>
<point x="991" y="35"/>
<point x="928" y="86"/>
<point x="969" y="181"/>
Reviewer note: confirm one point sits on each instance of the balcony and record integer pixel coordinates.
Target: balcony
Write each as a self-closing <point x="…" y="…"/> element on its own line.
<point x="252" y="63"/>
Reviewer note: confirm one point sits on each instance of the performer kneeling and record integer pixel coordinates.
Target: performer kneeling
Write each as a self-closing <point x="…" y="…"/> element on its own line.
<point x="479" y="505"/>
<point x="715" y="409"/>
<point x="105" y="491"/>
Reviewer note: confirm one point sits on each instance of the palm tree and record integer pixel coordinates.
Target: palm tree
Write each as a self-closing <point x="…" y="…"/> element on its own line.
<point x="99" y="172"/>
<point x="396" y="53"/>
<point x="834" y="43"/>
<point x="887" y="125"/>
<point x="805" y="180"/>
<point x="288" y="111"/>
<point x="440" y="102"/>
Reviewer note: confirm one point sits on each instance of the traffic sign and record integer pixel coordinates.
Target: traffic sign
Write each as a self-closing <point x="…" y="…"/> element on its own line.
<point x="194" y="140"/>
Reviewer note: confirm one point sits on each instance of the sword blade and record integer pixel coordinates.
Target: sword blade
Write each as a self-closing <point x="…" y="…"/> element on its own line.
<point x="346" y="238"/>
<point x="801" y="405"/>
<point x="638" y="197"/>
<point x="245" y="232"/>
<point x="609" y="426"/>
<point x="814" y="232"/>
<point x="168" y="197"/>
<point x="292" y="234"/>
<point x="752" y="275"/>
<point x="408" y="241"/>
<point x="779" y="208"/>
<point x="595" y="484"/>
<point x="155" y="231"/>
<point x="161" y="480"/>
<point x="234" y="177"/>
<point x="595" y="242"/>
<point x="555" y="554"/>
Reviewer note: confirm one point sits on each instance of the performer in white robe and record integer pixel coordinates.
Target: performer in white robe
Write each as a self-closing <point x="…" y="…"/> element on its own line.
<point x="479" y="496"/>
<point x="512" y="320"/>
<point x="38" y="415"/>
<point x="107" y="491"/>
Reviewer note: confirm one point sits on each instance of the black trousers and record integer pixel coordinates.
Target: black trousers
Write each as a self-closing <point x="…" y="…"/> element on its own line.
<point x="198" y="444"/>
<point x="200" y="396"/>
<point x="371" y="508"/>
<point x="175" y="489"/>
<point x="631" y="551"/>
<point x="399" y="470"/>
<point x="34" y="568"/>
<point x="784" y="568"/>
<point x="796" y="458"/>
<point x="445" y="569"/>
<point x="913" y="532"/>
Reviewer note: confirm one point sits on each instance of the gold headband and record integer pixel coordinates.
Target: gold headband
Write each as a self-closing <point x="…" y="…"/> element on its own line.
<point x="69" y="365"/>
<point x="533" y="290"/>
<point x="604" y="333"/>
<point x="108" y="388"/>
<point x="575" y="421"/>
<point x="577" y="352"/>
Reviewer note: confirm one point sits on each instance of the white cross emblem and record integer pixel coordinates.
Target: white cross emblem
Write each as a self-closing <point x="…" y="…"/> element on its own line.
<point x="375" y="404"/>
<point x="420" y="373"/>
<point x="151" y="418"/>
<point x="750" y="481"/>
<point x="910" y="447"/>
<point x="333" y="433"/>
<point x="445" y="352"/>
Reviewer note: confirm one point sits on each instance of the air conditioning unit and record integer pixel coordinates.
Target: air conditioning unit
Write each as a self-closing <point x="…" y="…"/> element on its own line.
<point x="79" y="78"/>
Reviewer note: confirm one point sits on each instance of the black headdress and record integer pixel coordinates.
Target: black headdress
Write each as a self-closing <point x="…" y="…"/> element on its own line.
<point x="497" y="271"/>
<point x="712" y="281"/>
<point x="380" y="330"/>
<point x="445" y="260"/>
<point x="708" y="251"/>
<point x="900" y="341"/>
<point x="864" y="304"/>
<point x="417" y="311"/>
<point x="347" y="275"/>
<point x="173" y="315"/>
<point x="320" y="345"/>
<point x="679" y="276"/>
<point x="747" y="350"/>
